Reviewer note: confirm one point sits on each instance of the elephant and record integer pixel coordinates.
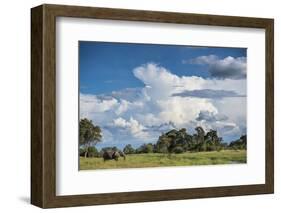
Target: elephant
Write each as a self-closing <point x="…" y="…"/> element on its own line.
<point x="113" y="155"/>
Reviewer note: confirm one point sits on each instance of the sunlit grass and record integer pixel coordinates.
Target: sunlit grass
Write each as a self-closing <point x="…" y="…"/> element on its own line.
<point x="161" y="160"/>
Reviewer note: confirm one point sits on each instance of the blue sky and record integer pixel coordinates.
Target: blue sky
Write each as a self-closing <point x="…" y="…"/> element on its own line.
<point x="136" y="91"/>
<point x="108" y="66"/>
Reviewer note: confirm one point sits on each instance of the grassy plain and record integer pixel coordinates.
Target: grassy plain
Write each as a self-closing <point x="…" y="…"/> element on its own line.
<point x="166" y="160"/>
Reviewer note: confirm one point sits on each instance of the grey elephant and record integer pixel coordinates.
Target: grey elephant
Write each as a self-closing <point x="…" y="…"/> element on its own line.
<point x="113" y="155"/>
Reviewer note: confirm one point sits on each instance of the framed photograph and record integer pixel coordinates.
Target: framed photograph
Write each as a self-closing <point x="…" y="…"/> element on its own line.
<point x="137" y="106"/>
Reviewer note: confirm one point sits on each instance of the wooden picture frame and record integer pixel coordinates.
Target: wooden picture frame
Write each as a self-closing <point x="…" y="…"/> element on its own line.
<point x="43" y="105"/>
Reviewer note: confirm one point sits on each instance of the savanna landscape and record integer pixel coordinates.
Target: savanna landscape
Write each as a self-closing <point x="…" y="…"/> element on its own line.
<point x="158" y="160"/>
<point x="174" y="148"/>
<point x="161" y="105"/>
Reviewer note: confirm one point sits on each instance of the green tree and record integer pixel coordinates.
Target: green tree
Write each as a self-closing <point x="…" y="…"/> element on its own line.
<point x="89" y="134"/>
<point x="93" y="152"/>
<point x="178" y="150"/>
<point x="213" y="142"/>
<point x="168" y="141"/>
<point x="163" y="143"/>
<point x="128" y="149"/>
<point x="145" y="148"/>
<point x="239" y="144"/>
<point x="149" y="148"/>
<point x="200" y="138"/>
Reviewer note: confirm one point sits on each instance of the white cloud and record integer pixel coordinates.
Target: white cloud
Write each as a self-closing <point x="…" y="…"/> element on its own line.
<point x="234" y="108"/>
<point x="181" y="111"/>
<point x="138" y="114"/>
<point x="92" y="104"/>
<point x="161" y="83"/>
<point x="133" y="126"/>
<point x="229" y="67"/>
<point x="123" y="107"/>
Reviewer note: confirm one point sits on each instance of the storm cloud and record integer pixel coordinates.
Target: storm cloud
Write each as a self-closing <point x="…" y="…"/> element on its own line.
<point x="229" y="67"/>
<point x="208" y="93"/>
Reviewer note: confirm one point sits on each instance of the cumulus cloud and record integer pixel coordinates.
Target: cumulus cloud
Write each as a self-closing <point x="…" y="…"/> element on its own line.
<point x="136" y="129"/>
<point x="229" y="67"/>
<point x="92" y="104"/>
<point x="166" y="101"/>
<point x="103" y="108"/>
<point x="225" y="127"/>
<point x="125" y="105"/>
<point x="210" y="116"/>
<point x="162" y="83"/>
<point x="181" y="111"/>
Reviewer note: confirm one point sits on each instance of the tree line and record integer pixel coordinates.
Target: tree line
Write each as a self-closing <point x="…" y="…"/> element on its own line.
<point x="173" y="141"/>
<point x="179" y="141"/>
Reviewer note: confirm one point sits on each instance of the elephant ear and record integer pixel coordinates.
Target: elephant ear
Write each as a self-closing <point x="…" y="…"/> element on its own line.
<point x="114" y="154"/>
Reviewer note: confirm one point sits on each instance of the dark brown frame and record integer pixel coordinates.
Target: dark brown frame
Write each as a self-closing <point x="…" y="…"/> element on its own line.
<point x="43" y="105"/>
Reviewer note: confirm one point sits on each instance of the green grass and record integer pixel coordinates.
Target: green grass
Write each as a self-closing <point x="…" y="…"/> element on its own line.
<point x="161" y="160"/>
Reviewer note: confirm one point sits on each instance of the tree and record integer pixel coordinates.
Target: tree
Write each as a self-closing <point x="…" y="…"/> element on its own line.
<point x="128" y="149"/>
<point x="214" y="143"/>
<point x="177" y="141"/>
<point x="92" y="152"/>
<point x="168" y="141"/>
<point x="149" y="148"/>
<point x="145" y="148"/>
<point x="163" y="143"/>
<point x="200" y="138"/>
<point x="178" y="150"/>
<point x="89" y="134"/>
<point x="212" y="136"/>
<point x="239" y="144"/>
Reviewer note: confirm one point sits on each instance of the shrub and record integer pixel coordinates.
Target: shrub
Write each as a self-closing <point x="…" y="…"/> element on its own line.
<point x="211" y="147"/>
<point x="93" y="152"/>
<point x="178" y="150"/>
